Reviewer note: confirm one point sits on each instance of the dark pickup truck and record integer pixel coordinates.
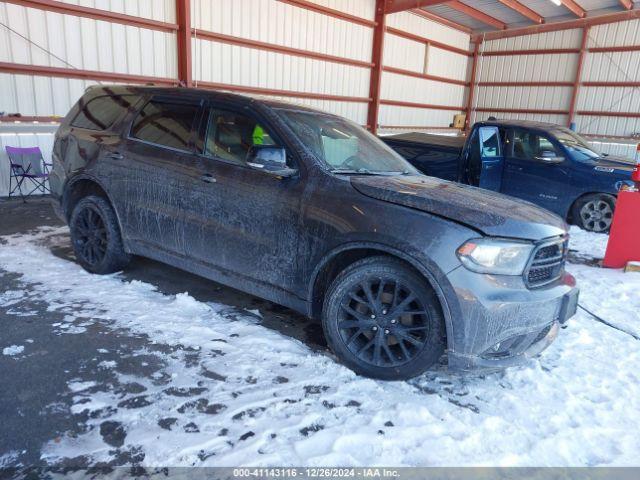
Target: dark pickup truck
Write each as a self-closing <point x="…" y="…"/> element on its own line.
<point x="543" y="163"/>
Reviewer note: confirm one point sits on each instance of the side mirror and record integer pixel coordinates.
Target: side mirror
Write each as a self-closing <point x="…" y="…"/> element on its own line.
<point x="548" y="156"/>
<point x="270" y="159"/>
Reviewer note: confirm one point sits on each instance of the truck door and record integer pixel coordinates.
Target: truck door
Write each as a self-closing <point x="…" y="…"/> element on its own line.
<point x="485" y="160"/>
<point x="535" y="170"/>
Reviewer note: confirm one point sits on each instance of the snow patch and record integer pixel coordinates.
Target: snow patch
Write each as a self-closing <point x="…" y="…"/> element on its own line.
<point x="13" y="350"/>
<point x="252" y="396"/>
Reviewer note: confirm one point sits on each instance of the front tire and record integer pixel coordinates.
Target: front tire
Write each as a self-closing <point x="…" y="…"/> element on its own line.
<point x="594" y="212"/>
<point x="96" y="238"/>
<point x="383" y="320"/>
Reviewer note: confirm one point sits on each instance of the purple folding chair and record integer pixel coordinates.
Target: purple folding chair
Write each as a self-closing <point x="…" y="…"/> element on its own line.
<point x="27" y="165"/>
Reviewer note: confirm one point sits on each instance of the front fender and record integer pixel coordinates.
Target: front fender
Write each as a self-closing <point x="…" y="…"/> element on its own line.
<point x="418" y="260"/>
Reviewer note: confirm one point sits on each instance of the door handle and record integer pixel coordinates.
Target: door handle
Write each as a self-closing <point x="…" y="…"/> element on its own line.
<point x="208" y="178"/>
<point x="115" y="155"/>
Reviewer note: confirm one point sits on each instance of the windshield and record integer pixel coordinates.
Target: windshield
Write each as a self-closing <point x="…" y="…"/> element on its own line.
<point x="344" y="146"/>
<point x="576" y="145"/>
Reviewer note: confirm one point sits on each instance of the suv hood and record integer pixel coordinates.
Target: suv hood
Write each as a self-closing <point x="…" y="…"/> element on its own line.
<point x="612" y="164"/>
<point x="491" y="213"/>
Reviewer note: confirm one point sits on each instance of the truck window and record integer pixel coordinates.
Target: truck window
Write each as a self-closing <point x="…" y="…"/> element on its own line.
<point x="101" y="112"/>
<point x="230" y="135"/>
<point x="165" y="124"/>
<point x="489" y="142"/>
<point x="529" y="145"/>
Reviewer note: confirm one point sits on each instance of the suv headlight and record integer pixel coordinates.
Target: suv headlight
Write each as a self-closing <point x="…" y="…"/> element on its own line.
<point x="499" y="257"/>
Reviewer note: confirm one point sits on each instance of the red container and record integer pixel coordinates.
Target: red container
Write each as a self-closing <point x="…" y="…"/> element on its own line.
<point x="624" y="238"/>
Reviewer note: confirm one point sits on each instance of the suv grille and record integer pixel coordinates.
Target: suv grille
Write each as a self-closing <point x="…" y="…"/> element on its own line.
<point x="548" y="263"/>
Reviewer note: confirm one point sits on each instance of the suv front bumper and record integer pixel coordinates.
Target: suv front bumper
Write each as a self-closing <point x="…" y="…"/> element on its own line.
<point x="500" y="322"/>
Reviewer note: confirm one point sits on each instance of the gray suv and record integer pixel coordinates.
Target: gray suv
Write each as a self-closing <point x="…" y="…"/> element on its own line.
<point x="310" y="211"/>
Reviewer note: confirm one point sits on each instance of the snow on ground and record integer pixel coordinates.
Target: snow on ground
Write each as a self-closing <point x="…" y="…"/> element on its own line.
<point x="610" y="294"/>
<point x="253" y="396"/>
<point x="13" y="350"/>
<point x="588" y="244"/>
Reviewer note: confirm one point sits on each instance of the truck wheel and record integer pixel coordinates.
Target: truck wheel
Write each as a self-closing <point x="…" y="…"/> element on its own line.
<point x="383" y="320"/>
<point x="594" y="212"/>
<point x="96" y="236"/>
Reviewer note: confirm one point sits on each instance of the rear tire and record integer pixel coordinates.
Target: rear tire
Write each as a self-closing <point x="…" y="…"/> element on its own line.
<point x="383" y="320"/>
<point x="594" y="212"/>
<point x="96" y="238"/>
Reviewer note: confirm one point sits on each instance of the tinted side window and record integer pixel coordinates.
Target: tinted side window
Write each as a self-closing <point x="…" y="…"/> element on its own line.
<point x="101" y="112"/>
<point x="167" y="124"/>
<point x="230" y="135"/>
<point x="529" y="145"/>
<point x="490" y="142"/>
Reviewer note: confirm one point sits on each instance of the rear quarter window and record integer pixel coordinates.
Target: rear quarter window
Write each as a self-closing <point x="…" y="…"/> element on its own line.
<point x="165" y="124"/>
<point x="100" y="113"/>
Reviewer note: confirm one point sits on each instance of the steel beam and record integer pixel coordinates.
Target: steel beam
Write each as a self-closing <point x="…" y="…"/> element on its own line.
<point x="558" y="26"/>
<point x="476" y="14"/>
<point x="183" y="14"/>
<point x="375" y="79"/>
<point x="444" y="21"/>
<point x="472" y="85"/>
<point x="394" y="6"/>
<point x="578" y="77"/>
<point x="627" y="4"/>
<point x="95" y="14"/>
<point x="45" y="71"/>
<point x="573" y="6"/>
<point x="314" y="7"/>
<point x="523" y="10"/>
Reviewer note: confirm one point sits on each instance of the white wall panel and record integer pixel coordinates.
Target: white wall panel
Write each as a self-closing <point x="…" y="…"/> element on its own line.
<point x="418" y="90"/>
<point x="530" y="68"/>
<point x="360" y="8"/>
<point x="161" y="10"/>
<point x="415" y="56"/>
<point x="548" y="40"/>
<point x="558" y="119"/>
<point x="397" y="116"/>
<point x="283" y="24"/>
<point x="531" y="98"/>
<point x="423" y="27"/>
<point x="231" y="64"/>
<point x="67" y="41"/>
<point x="23" y="136"/>
<point x="615" y="34"/>
<point x="402" y="53"/>
<point x="39" y="96"/>
<point x="444" y="63"/>
<point x="611" y="67"/>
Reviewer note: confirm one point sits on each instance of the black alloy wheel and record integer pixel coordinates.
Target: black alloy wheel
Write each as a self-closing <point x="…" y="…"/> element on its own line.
<point x="91" y="236"/>
<point x="383" y="322"/>
<point x="383" y="319"/>
<point x="95" y="236"/>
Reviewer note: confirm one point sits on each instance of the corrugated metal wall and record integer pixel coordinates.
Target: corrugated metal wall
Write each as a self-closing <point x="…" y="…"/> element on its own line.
<point x="611" y="67"/>
<point x="503" y="101"/>
<point x="67" y="41"/>
<point x="290" y="26"/>
<point x="414" y="56"/>
<point x="561" y="67"/>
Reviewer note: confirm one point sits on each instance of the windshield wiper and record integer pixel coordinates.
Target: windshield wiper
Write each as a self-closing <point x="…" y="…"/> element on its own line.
<point x="364" y="171"/>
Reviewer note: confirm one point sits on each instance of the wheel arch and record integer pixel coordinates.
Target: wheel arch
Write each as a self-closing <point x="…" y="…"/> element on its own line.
<point x="341" y="257"/>
<point x="82" y="186"/>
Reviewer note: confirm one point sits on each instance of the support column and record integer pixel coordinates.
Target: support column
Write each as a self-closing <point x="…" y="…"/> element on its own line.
<point x="472" y="84"/>
<point x="183" y="17"/>
<point x="376" y="70"/>
<point x="578" y="78"/>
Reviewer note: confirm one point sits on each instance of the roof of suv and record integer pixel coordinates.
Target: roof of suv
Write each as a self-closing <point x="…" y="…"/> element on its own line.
<point x="201" y="92"/>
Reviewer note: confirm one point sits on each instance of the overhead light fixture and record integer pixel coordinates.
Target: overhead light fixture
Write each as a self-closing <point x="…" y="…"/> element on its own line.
<point x="557" y="2"/>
